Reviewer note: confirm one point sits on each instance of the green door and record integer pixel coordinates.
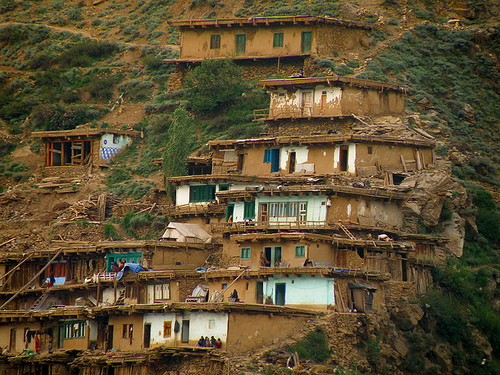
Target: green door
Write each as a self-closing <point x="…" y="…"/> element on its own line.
<point x="241" y="43"/>
<point x="306" y="41"/>
<point x="280" y="294"/>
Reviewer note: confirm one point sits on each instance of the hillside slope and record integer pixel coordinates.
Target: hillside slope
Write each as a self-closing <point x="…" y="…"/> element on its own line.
<point x="70" y="63"/>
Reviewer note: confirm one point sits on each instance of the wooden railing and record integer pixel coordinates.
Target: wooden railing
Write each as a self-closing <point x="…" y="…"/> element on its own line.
<point x="248" y="226"/>
<point x="286" y="112"/>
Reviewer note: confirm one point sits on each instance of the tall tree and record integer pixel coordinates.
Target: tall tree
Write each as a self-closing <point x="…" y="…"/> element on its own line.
<point x="180" y="142"/>
<point x="212" y="84"/>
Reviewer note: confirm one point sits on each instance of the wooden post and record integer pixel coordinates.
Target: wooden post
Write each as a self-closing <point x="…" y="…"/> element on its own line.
<point x="32" y="279"/>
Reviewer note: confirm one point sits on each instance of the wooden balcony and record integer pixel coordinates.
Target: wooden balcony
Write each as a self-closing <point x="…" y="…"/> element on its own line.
<point x="251" y="226"/>
<point x="199" y="209"/>
<point x="286" y="112"/>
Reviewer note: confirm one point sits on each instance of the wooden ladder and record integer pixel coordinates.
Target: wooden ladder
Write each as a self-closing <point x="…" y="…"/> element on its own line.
<point x="39" y="301"/>
<point x="121" y="298"/>
<point x="345" y="230"/>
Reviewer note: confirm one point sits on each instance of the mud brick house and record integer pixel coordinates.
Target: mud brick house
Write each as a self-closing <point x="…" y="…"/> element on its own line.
<point x="266" y="45"/>
<point x="83" y="147"/>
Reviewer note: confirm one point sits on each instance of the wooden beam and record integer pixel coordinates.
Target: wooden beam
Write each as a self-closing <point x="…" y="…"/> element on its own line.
<point x="31" y="281"/>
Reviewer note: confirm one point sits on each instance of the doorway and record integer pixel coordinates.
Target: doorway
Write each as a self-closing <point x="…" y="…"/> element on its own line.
<point x="109" y="341"/>
<point x="185" y="331"/>
<point x="12" y="344"/>
<point x="292" y="160"/>
<point x="307" y="100"/>
<point x="147" y="335"/>
<point x="259" y="286"/>
<point x="280" y="294"/>
<point x="273" y="255"/>
<point x="343" y="158"/>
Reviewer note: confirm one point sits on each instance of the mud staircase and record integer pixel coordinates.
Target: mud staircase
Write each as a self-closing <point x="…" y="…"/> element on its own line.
<point x="346" y="231"/>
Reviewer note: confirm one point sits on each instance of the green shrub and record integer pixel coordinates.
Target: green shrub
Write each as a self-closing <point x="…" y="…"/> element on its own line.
<point x="137" y="89"/>
<point x="111" y="233"/>
<point x="83" y="53"/>
<point x="130" y="189"/>
<point x="58" y="117"/>
<point x="314" y="346"/>
<point x="441" y="150"/>
<point x="213" y="84"/>
<point x="118" y="175"/>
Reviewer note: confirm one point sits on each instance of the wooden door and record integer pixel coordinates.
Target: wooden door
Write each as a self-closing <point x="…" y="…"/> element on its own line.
<point x="241" y="44"/>
<point x="292" y="160"/>
<point x="147" y="335"/>
<point x="280" y="294"/>
<point x="263" y="212"/>
<point x="306" y="41"/>
<point x="307" y="101"/>
<point x="185" y="331"/>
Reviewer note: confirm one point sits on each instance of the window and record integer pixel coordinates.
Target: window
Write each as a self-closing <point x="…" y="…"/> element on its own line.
<point x="128" y="331"/>
<point x="245" y="253"/>
<point x="272" y="155"/>
<point x="117" y="257"/>
<point x="241" y="42"/>
<point x="202" y="193"/>
<point x="73" y="329"/>
<point x="223" y="187"/>
<point x="306" y="41"/>
<point x="370" y="150"/>
<point x="300" y="251"/>
<point x="211" y="324"/>
<point x="249" y="210"/>
<point x="167" y="328"/>
<point x="158" y="292"/>
<point x="214" y="41"/>
<point x="278" y="40"/>
<point x="284" y="209"/>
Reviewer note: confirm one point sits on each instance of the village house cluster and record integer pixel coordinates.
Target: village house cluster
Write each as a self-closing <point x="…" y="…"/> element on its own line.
<point x="315" y="215"/>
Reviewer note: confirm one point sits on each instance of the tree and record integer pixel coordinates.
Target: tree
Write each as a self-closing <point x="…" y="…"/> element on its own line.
<point x="180" y="142"/>
<point x="213" y="84"/>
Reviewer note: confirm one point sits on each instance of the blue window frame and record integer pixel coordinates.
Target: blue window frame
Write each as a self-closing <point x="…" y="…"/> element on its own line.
<point x="272" y="155"/>
<point x="300" y="251"/>
<point x="245" y="253"/>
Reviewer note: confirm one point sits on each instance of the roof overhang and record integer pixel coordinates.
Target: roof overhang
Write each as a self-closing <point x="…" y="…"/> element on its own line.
<point x="273" y="84"/>
<point x="83" y="133"/>
<point x="265" y="21"/>
<point x="320" y="139"/>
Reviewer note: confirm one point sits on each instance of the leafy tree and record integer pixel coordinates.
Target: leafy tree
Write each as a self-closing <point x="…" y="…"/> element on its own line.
<point x="180" y="142"/>
<point x="213" y="84"/>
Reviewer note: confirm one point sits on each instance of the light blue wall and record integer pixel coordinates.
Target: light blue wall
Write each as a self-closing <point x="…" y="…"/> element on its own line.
<point x="305" y="290"/>
<point x="316" y="204"/>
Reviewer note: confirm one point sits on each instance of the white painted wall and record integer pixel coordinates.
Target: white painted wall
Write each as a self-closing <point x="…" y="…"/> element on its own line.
<point x="181" y="195"/>
<point x="207" y="324"/>
<point x="108" y="294"/>
<point x="200" y="323"/>
<point x="156" y="321"/>
<point x="111" y="144"/>
<point x="93" y="329"/>
<point x="351" y="158"/>
<point x="301" y="155"/>
<point x="333" y="96"/>
<point x="182" y="192"/>
<point x="305" y="290"/>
